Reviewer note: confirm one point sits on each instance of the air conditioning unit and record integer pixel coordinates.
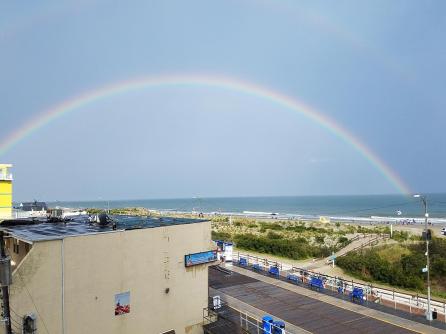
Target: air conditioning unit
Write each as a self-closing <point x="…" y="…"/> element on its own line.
<point x="30" y="324"/>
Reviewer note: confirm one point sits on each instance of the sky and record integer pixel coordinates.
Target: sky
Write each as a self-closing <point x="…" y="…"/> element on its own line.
<point x="375" y="67"/>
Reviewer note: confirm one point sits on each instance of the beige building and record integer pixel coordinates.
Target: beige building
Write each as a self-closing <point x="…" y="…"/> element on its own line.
<point x="82" y="278"/>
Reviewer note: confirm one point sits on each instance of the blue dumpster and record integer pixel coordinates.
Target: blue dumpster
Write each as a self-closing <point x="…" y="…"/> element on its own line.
<point x="278" y="327"/>
<point x="267" y="322"/>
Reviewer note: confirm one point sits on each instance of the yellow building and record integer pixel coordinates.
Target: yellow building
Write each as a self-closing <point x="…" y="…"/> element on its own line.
<point x="142" y="276"/>
<point x="5" y="191"/>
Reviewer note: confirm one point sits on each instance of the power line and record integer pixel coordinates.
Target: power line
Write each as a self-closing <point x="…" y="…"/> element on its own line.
<point x="32" y="300"/>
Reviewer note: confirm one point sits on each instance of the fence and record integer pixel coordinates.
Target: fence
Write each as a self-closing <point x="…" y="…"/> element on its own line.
<point x="252" y="324"/>
<point x="412" y="304"/>
<point x="243" y="320"/>
<point x="370" y="243"/>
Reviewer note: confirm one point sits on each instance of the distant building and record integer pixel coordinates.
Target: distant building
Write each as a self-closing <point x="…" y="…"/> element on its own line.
<point x="33" y="206"/>
<point x="5" y="191"/>
<point x="30" y="210"/>
<point x="140" y="275"/>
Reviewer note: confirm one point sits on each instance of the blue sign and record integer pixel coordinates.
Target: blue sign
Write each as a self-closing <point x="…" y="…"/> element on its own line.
<point x="200" y="258"/>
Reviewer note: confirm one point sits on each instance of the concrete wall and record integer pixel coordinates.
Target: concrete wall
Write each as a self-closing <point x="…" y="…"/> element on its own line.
<point x="71" y="284"/>
<point x="36" y="287"/>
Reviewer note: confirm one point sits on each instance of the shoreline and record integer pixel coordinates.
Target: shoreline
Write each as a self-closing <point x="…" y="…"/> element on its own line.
<point x="381" y="220"/>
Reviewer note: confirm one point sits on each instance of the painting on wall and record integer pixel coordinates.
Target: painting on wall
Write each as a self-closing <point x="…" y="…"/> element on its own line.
<point x="122" y="303"/>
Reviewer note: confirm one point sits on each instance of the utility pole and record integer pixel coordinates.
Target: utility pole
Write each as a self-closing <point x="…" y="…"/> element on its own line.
<point x="427" y="237"/>
<point x="5" y="281"/>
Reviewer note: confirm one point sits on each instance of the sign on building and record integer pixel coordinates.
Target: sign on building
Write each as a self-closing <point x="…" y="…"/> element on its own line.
<point x="200" y="258"/>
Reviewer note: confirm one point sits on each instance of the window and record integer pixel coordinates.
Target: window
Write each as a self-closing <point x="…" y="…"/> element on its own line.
<point x="15" y="246"/>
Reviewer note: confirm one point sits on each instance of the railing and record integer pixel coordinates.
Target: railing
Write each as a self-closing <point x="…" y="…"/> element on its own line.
<point x="245" y="320"/>
<point x="339" y="287"/>
<point x="252" y="324"/>
<point x="369" y="243"/>
<point x="5" y="177"/>
<point x="209" y="316"/>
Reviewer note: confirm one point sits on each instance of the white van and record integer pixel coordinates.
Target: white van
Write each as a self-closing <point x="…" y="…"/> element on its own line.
<point x="443" y="231"/>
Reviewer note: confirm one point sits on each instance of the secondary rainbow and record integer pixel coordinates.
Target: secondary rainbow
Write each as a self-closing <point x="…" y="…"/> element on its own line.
<point x="236" y="85"/>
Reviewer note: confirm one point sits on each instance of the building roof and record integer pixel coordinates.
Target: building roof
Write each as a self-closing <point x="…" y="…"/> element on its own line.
<point x="80" y="225"/>
<point x="33" y="206"/>
<point x="5" y="166"/>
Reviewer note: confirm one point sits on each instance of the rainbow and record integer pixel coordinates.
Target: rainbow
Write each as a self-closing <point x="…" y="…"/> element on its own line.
<point x="231" y="84"/>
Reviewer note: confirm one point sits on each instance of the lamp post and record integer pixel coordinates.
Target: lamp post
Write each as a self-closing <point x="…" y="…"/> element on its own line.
<point x="108" y="204"/>
<point x="426" y="215"/>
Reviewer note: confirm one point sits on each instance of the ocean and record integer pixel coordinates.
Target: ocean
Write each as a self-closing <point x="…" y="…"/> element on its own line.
<point x="339" y="206"/>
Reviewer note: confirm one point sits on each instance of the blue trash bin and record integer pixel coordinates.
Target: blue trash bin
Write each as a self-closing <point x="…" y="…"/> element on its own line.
<point x="278" y="327"/>
<point x="267" y="321"/>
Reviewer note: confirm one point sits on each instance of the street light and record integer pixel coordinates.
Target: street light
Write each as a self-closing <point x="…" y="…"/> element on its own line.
<point x="108" y="203"/>
<point x="426" y="215"/>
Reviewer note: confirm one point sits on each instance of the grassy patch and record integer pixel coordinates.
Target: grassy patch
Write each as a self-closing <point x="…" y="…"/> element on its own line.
<point x="275" y="245"/>
<point x="400" y="265"/>
<point x="221" y="236"/>
<point x="393" y="253"/>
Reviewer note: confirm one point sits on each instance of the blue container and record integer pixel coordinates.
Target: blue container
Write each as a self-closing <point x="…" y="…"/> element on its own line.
<point x="278" y="327"/>
<point x="274" y="271"/>
<point x="316" y="282"/>
<point x="267" y="321"/>
<point x="358" y="294"/>
<point x="243" y="261"/>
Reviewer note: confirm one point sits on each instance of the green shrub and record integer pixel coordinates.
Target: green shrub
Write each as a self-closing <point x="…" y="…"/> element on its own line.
<point x="94" y="211"/>
<point x="303" y="228"/>
<point x="270" y="226"/>
<point x="273" y="235"/>
<point x="221" y="236"/>
<point x="220" y="219"/>
<point x="319" y="239"/>
<point x="342" y="239"/>
<point x="291" y="248"/>
<point x="400" y="235"/>
<point x="403" y="271"/>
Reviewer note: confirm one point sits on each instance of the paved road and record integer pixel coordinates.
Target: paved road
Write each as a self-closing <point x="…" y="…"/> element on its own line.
<point x="305" y="312"/>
